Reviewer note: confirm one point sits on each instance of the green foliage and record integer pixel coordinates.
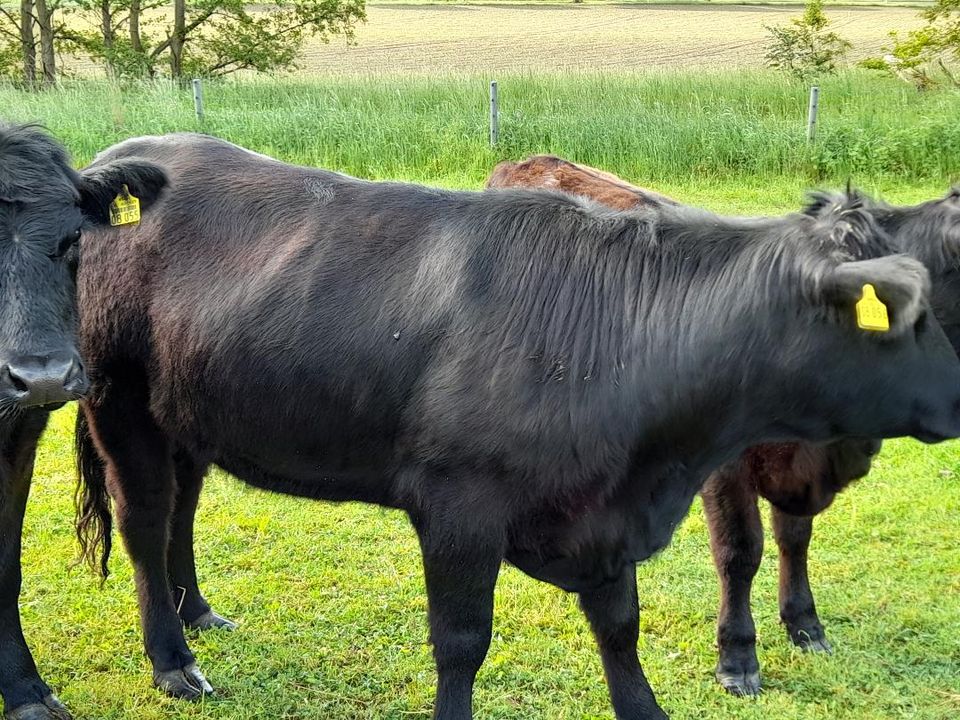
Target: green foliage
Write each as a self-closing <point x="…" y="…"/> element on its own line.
<point x="929" y="55"/>
<point x="11" y="55"/>
<point x="220" y="37"/>
<point x="805" y="48"/>
<point x="653" y="127"/>
<point x="11" y="60"/>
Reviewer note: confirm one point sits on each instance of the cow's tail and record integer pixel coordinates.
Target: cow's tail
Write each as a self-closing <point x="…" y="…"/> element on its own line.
<point x="94" y="519"/>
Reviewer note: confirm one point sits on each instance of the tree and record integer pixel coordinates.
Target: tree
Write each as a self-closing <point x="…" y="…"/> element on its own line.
<point x="209" y="37"/>
<point x="929" y="55"/>
<point x="22" y="34"/>
<point x="805" y="48"/>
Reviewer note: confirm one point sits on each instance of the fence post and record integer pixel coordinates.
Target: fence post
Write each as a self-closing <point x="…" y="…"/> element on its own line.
<point x="198" y="98"/>
<point x="812" y="113"/>
<point x="494" y="115"/>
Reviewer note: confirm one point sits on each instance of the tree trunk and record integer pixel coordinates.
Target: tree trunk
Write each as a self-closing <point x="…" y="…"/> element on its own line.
<point x="176" y="40"/>
<point x="135" y="42"/>
<point x="48" y="56"/>
<point x="106" y="24"/>
<point x="28" y="45"/>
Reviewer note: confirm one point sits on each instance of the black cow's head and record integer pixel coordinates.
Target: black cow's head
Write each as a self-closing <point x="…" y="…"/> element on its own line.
<point x="44" y="207"/>
<point x="898" y="381"/>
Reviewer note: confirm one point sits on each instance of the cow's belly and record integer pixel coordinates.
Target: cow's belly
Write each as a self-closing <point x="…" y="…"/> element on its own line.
<point x="593" y="548"/>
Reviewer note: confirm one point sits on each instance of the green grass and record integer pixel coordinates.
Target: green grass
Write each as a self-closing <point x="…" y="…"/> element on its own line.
<point x="693" y="134"/>
<point x="330" y="598"/>
<point x="331" y="604"/>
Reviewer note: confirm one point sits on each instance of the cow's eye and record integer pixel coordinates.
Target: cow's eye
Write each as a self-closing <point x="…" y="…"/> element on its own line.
<point x="66" y="244"/>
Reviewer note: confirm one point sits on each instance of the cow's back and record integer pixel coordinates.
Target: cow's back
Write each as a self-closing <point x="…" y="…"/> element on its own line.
<point x="259" y="289"/>
<point x="553" y="173"/>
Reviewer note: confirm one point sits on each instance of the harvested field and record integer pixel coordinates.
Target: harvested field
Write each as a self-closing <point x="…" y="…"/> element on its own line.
<point x="430" y="39"/>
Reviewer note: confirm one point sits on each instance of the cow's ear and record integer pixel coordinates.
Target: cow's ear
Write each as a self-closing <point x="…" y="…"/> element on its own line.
<point x="900" y="283"/>
<point x="820" y="202"/>
<point x="101" y="184"/>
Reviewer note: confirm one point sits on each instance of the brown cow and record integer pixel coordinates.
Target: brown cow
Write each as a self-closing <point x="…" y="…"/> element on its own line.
<point x="799" y="480"/>
<point x="548" y="171"/>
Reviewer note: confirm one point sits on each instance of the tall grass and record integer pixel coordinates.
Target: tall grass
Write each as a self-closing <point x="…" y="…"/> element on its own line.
<point x="659" y="127"/>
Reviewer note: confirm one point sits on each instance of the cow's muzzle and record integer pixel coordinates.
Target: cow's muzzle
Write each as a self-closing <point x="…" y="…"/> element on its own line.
<point x="43" y="380"/>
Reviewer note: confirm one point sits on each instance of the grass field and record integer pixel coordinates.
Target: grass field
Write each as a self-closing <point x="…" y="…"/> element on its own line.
<point x="737" y="138"/>
<point x="332" y="611"/>
<point x="330" y="598"/>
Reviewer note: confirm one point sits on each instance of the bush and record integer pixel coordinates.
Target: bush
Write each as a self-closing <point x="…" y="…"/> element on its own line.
<point x="930" y="55"/>
<point x="805" y="48"/>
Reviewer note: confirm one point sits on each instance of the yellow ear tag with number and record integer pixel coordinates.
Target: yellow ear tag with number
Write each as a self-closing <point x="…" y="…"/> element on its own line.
<point x="125" y="209"/>
<point x="871" y="312"/>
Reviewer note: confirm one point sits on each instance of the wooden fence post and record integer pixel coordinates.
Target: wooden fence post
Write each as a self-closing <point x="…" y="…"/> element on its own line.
<point x="198" y="98"/>
<point x="812" y="113"/>
<point x="494" y="115"/>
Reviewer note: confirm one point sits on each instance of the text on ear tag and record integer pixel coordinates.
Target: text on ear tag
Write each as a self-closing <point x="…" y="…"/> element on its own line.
<point x="871" y="312"/>
<point x="125" y="209"/>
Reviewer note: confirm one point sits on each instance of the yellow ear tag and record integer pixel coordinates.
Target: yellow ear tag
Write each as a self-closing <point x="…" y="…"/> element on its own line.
<point x="871" y="312"/>
<point x="125" y="209"/>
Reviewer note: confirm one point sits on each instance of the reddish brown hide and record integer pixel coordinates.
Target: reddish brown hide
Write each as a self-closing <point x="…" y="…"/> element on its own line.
<point x="551" y="172"/>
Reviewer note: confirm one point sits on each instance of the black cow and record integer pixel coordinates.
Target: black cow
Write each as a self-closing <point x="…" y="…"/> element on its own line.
<point x="802" y="480"/>
<point x="44" y="206"/>
<point x="528" y="375"/>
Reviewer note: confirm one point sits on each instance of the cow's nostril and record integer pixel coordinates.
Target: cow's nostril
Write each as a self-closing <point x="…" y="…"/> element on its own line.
<point x="18" y="383"/>
<point x="45" y="380"/>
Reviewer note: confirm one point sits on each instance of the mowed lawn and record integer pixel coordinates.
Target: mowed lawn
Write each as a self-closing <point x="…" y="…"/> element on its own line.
<point x="331" y="607"/>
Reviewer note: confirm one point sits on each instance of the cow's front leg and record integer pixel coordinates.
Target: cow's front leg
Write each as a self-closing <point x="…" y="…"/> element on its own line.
<point x="139" y="476"/>
<point x="461" y="562"/>
<point x="797" y="610"/>
<point x="192" y="607"/>
<point x="736" y="539"/>
<point x="25" y="695"/>
<point x="614" y="616"/>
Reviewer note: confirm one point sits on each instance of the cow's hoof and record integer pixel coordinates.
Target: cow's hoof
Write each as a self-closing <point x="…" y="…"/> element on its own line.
<point x="49" y="709"/>
<point x="211" y="621"/>
<point x="819" y="645"/>
<point x="740" y="684"/>
<point x="810" y="637"/>
<point x="187" y="683"/>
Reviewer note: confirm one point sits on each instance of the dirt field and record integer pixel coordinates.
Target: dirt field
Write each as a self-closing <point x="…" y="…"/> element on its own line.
<point x="482" y="38"/>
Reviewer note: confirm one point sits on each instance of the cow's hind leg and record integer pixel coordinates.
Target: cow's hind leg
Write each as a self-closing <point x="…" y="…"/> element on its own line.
<point x="614" y="615"/>
<point x="461" y="564"/>
<point x="25" y="695"/>
<point x="140" y="478"/>
<point x="797" y="609"/>
<point x="736" y="539"/>
<point x="192" y="607"/>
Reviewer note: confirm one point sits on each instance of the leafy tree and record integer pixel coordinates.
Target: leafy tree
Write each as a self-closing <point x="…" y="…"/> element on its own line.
<point x="141" y="38"/>
<point x="28" y="38"/>
<point x="174" y="38"/>
<point x="929" y="55"/>
<point x="805" y="48"/>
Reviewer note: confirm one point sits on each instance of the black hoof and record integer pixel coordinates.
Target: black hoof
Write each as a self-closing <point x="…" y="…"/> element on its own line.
<point x="809" y="636"/>
<point x="211" y="621"/>
<point x="740" y="684"/>
<point x="811" y="644"/>
<point x="49" y="709"/>
<point x="187" y="683"/>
